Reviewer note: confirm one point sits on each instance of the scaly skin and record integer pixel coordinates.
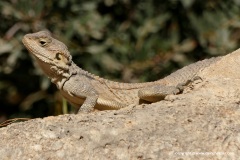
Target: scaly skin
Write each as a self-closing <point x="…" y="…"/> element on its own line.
<point x="87" y="91"/>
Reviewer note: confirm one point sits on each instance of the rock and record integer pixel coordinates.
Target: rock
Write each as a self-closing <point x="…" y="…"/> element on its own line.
<point x="202" y="123"/>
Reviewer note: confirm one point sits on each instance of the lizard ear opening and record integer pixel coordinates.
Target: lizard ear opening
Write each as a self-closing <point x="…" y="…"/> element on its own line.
<point x="61" y="59"/>
<point x="58" y="56"/>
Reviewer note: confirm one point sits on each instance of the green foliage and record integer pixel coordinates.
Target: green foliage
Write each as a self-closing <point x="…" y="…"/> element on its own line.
<point x="129" y="41"/>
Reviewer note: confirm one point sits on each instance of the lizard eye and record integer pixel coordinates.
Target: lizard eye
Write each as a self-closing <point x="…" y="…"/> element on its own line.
<point x="58" y="56"/>
<point x="42" y="42"/>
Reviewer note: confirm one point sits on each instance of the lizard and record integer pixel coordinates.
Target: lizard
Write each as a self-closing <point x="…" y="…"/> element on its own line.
<point x="87" y="91"/>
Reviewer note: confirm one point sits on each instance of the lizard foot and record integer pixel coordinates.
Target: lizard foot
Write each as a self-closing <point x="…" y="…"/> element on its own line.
<point x="183" y="85"/>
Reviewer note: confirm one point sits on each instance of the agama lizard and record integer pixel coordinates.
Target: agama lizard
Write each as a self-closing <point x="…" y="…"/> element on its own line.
<point x="87" y="91"/>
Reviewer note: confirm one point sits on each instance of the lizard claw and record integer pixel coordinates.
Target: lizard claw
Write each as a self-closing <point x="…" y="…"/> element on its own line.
<point x="183" y="85"/>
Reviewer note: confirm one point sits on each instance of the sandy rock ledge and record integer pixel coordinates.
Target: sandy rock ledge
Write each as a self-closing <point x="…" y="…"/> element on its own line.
<point x="202" y="123"/>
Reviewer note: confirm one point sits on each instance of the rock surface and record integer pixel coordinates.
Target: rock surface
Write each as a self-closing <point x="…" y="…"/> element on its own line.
<point x="202" y="123"/>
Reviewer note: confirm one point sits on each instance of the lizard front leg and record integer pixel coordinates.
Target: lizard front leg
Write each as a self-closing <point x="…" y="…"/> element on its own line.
<point x="80" y="93"/>
<point x="88" y="104"/>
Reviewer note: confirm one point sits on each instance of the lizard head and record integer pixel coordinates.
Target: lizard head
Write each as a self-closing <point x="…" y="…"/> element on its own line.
<point x="48" y="51"/>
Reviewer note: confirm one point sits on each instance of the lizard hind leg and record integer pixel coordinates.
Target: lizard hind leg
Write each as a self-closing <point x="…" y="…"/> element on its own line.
<point x="157" y="93"/>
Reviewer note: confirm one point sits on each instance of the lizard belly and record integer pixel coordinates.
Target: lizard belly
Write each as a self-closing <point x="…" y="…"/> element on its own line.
<point x="103" y="103"/>
<point x="75" y="101"/>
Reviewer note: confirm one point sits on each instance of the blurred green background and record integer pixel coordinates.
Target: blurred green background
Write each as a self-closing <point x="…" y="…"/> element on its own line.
<point x="122" y="40"/>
